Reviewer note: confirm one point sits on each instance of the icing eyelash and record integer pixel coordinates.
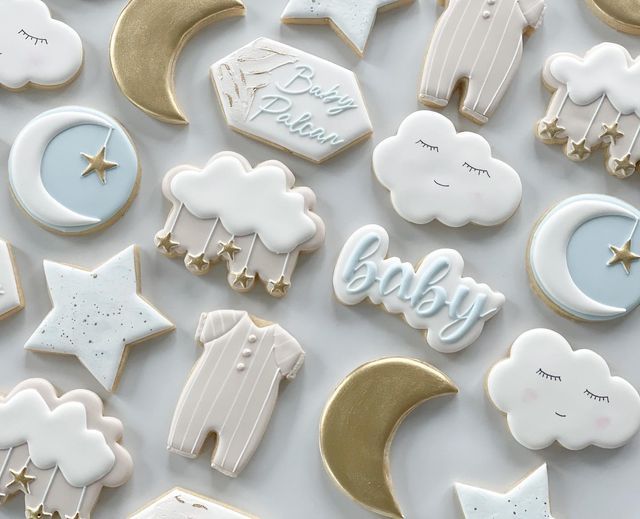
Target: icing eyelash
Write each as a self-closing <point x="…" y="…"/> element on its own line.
<point x="598" y="398"/>
<point x="547" y="376"/>
<point x="35" y="39"/>
<point x="475" y="170"/>
<point x="428" y="146"/>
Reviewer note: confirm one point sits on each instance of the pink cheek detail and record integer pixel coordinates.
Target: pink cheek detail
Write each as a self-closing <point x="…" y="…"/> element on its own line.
<point x="603" y="422"/>
<point x="529" y="395"/>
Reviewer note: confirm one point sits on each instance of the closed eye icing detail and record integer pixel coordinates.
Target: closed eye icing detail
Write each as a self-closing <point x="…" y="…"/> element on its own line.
<point x="34" y="39"/>
<point x="473" y="169"/>
<point x="427" y="145"/>
<point x="547" y="376"/>
<point x="598" y="398"/>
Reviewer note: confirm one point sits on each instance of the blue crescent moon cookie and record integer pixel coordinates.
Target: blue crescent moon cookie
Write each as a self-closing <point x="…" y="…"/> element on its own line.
<point x="74" y="170"/>
<point x="583" y="258"/>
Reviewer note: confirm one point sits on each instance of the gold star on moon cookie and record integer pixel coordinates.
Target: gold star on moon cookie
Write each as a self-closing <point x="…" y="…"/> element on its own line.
<point x="98" y="164"/>
<point x="623" y="255"/>
<point x="622" y="15"/>
<point x="352" y="20"/>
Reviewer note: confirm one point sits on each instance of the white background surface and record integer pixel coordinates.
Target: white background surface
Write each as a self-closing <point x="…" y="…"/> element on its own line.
<point x="463" y="438"/>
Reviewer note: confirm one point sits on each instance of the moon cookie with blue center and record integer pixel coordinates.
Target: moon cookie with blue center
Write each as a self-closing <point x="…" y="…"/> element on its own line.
<point x="74" y="170"/>
<point x="584" y="258"/>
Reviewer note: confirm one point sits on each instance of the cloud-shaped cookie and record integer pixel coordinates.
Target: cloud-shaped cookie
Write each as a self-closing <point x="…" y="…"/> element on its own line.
<point x="552" y="393"/>
<point x="434" y="173"/>
<point x="34" y="48"/>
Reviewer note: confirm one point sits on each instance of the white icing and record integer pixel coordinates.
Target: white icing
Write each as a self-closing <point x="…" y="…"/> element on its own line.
<point x="527" y="500"/>
<point x="256" y="201"/>
<point x="56" y="438"/>
<point x="10" y="295"/>
<point x="552" y="393"/>
<point x="96" y="314"/>
<point x="435" y="173"/>
<point x="34" y="48"/>
<point x="435" y="297"/>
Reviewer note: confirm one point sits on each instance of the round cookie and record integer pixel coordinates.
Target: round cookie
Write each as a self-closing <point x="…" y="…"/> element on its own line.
<point x="622" y="15"/>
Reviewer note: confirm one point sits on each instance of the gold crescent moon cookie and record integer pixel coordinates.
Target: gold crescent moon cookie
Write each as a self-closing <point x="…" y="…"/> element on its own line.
<point x="622" y="15"/>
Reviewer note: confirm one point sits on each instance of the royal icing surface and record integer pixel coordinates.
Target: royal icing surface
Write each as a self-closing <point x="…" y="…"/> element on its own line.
<point x="233" y="387"/>
<point x="582" y="257"/>
<point x="73" y="170"/>
<point x="529" y="499"/>
<point x="623" y="16"/>
<point x="478" y="42"/>
<point x="595" y="105"/>
<point x="291" y="99"/>
<point x="254" y="219"/>
<point x="58" y="451"/>
<point x="10" y="291"/>
<point x="552" y="393"/>
<point x="35" y="48"/>
<point x="435" y="297"/>
<point x="434" y="173"/>
<point x="96" y="314"/>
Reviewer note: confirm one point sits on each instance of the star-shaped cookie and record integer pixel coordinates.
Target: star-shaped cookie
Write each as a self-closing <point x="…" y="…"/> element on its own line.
<point x="97" y="314"/>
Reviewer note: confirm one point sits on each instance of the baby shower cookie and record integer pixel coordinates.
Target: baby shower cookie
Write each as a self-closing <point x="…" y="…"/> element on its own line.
<point x="529" y="499"/>
<point x="97" y="314"/>
<point x="233" y="388"/>
<point x="550" y="393"/>
<point x="59" y="452"/>
<point x="253" y="219"/>
<point x="351" y="19"/>
<point x="582" y="258"/>
<point x="433" y="297"/>
<point x="290" y="99"/>
<point x="74" y="170"/>
<point x="36" y="49"/>
<point x="622" y="15"/>
<point x="594" y="105"/>
<point x="476" y="48"/>
<point x="434" y="173"/>
<point x="11" y="298"/>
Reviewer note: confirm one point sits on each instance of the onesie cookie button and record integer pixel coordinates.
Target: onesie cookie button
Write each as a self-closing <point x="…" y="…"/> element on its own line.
<point x="247" y="352"/>
<point x="241" y="366"/>
<point x="486" y="14"/>
<point x="252" y="339"/>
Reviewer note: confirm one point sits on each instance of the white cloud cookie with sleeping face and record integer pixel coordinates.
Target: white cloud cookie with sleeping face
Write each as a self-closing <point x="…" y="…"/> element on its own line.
<point x="552" y="393"/>
<point x="435" y="173"/>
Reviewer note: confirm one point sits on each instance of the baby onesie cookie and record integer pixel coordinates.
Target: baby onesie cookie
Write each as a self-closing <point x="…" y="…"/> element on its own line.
<point x="59" y="452"/>
<point x="97" y="314"/>
<point x="253" y="219"/>
<point x="622" y="15"/>
<point x="290" y="99"/>
<point x="434" y="173"/>
<point x="476" y="48"/>
<point x="594" y="105"/>
<point x="11" y="298"/>
<point x="36" y="49"/>
<point x="451" y="309"/>
<point x="351" y="19"/>
<point x="582" y="258"/>
<point x="74" y="170"/>
<point x="551" y="393"/>
<point x="233" y="387"/>
<point x="179" y="503"/>
<point x="529" y="499"/>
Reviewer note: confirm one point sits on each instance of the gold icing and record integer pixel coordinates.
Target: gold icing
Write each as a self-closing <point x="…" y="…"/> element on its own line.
<point x="21" y="478"/>
<point x="623" y="15"/>
<point x="623" y="255"/>
<point x="99" y="165"/>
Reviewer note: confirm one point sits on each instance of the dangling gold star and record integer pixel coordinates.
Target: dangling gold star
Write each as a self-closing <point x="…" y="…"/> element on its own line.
<point x="623" y="255"/>
<point x="197" y="263"/>
<point x="98" y="164"/>
<point x="76" y="516"/>
<point x="613" y="132"/>
<point x="21" y="478"/>
<point x="579" y="149"/>
<point x="624" y="166"/>
<point x="551" y="129"/>
<point x="166" y="244"/>
<point x="228" y="250"/>
<point x="36" y="513"/>
<point x="242" y="279"/>
<point x="279" y="288"/>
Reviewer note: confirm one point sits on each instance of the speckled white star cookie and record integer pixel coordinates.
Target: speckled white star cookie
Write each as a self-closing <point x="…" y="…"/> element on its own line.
<point x="351" y="19"/>
<point x="527" y="500"/>
<point x="97" y="314"/>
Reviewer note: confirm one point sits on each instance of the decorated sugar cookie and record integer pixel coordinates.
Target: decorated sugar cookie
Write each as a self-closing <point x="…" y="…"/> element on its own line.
<point x="622" y="15"/>
<point x="36" y="49"/>
<point x="594" y="105"/>
<point x="252" y="219"/>
<point x="290" y="99"/>
<point x="351" y="19"/>
<point x="529" y="499"/>
<point x="551" y="393"/>
<point x="96" y="314"/>
<point x="583" y="255"/>
<point x="11" y="298"/>
<point x="233" y="388"/>
<point x="59" y="452"/>
<point x="434" y="173"/>
<point x="360" y="420"/>
<point x="74" y="170"/>
<point x="435" y="298"/>
<point x="476" y="48"/>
